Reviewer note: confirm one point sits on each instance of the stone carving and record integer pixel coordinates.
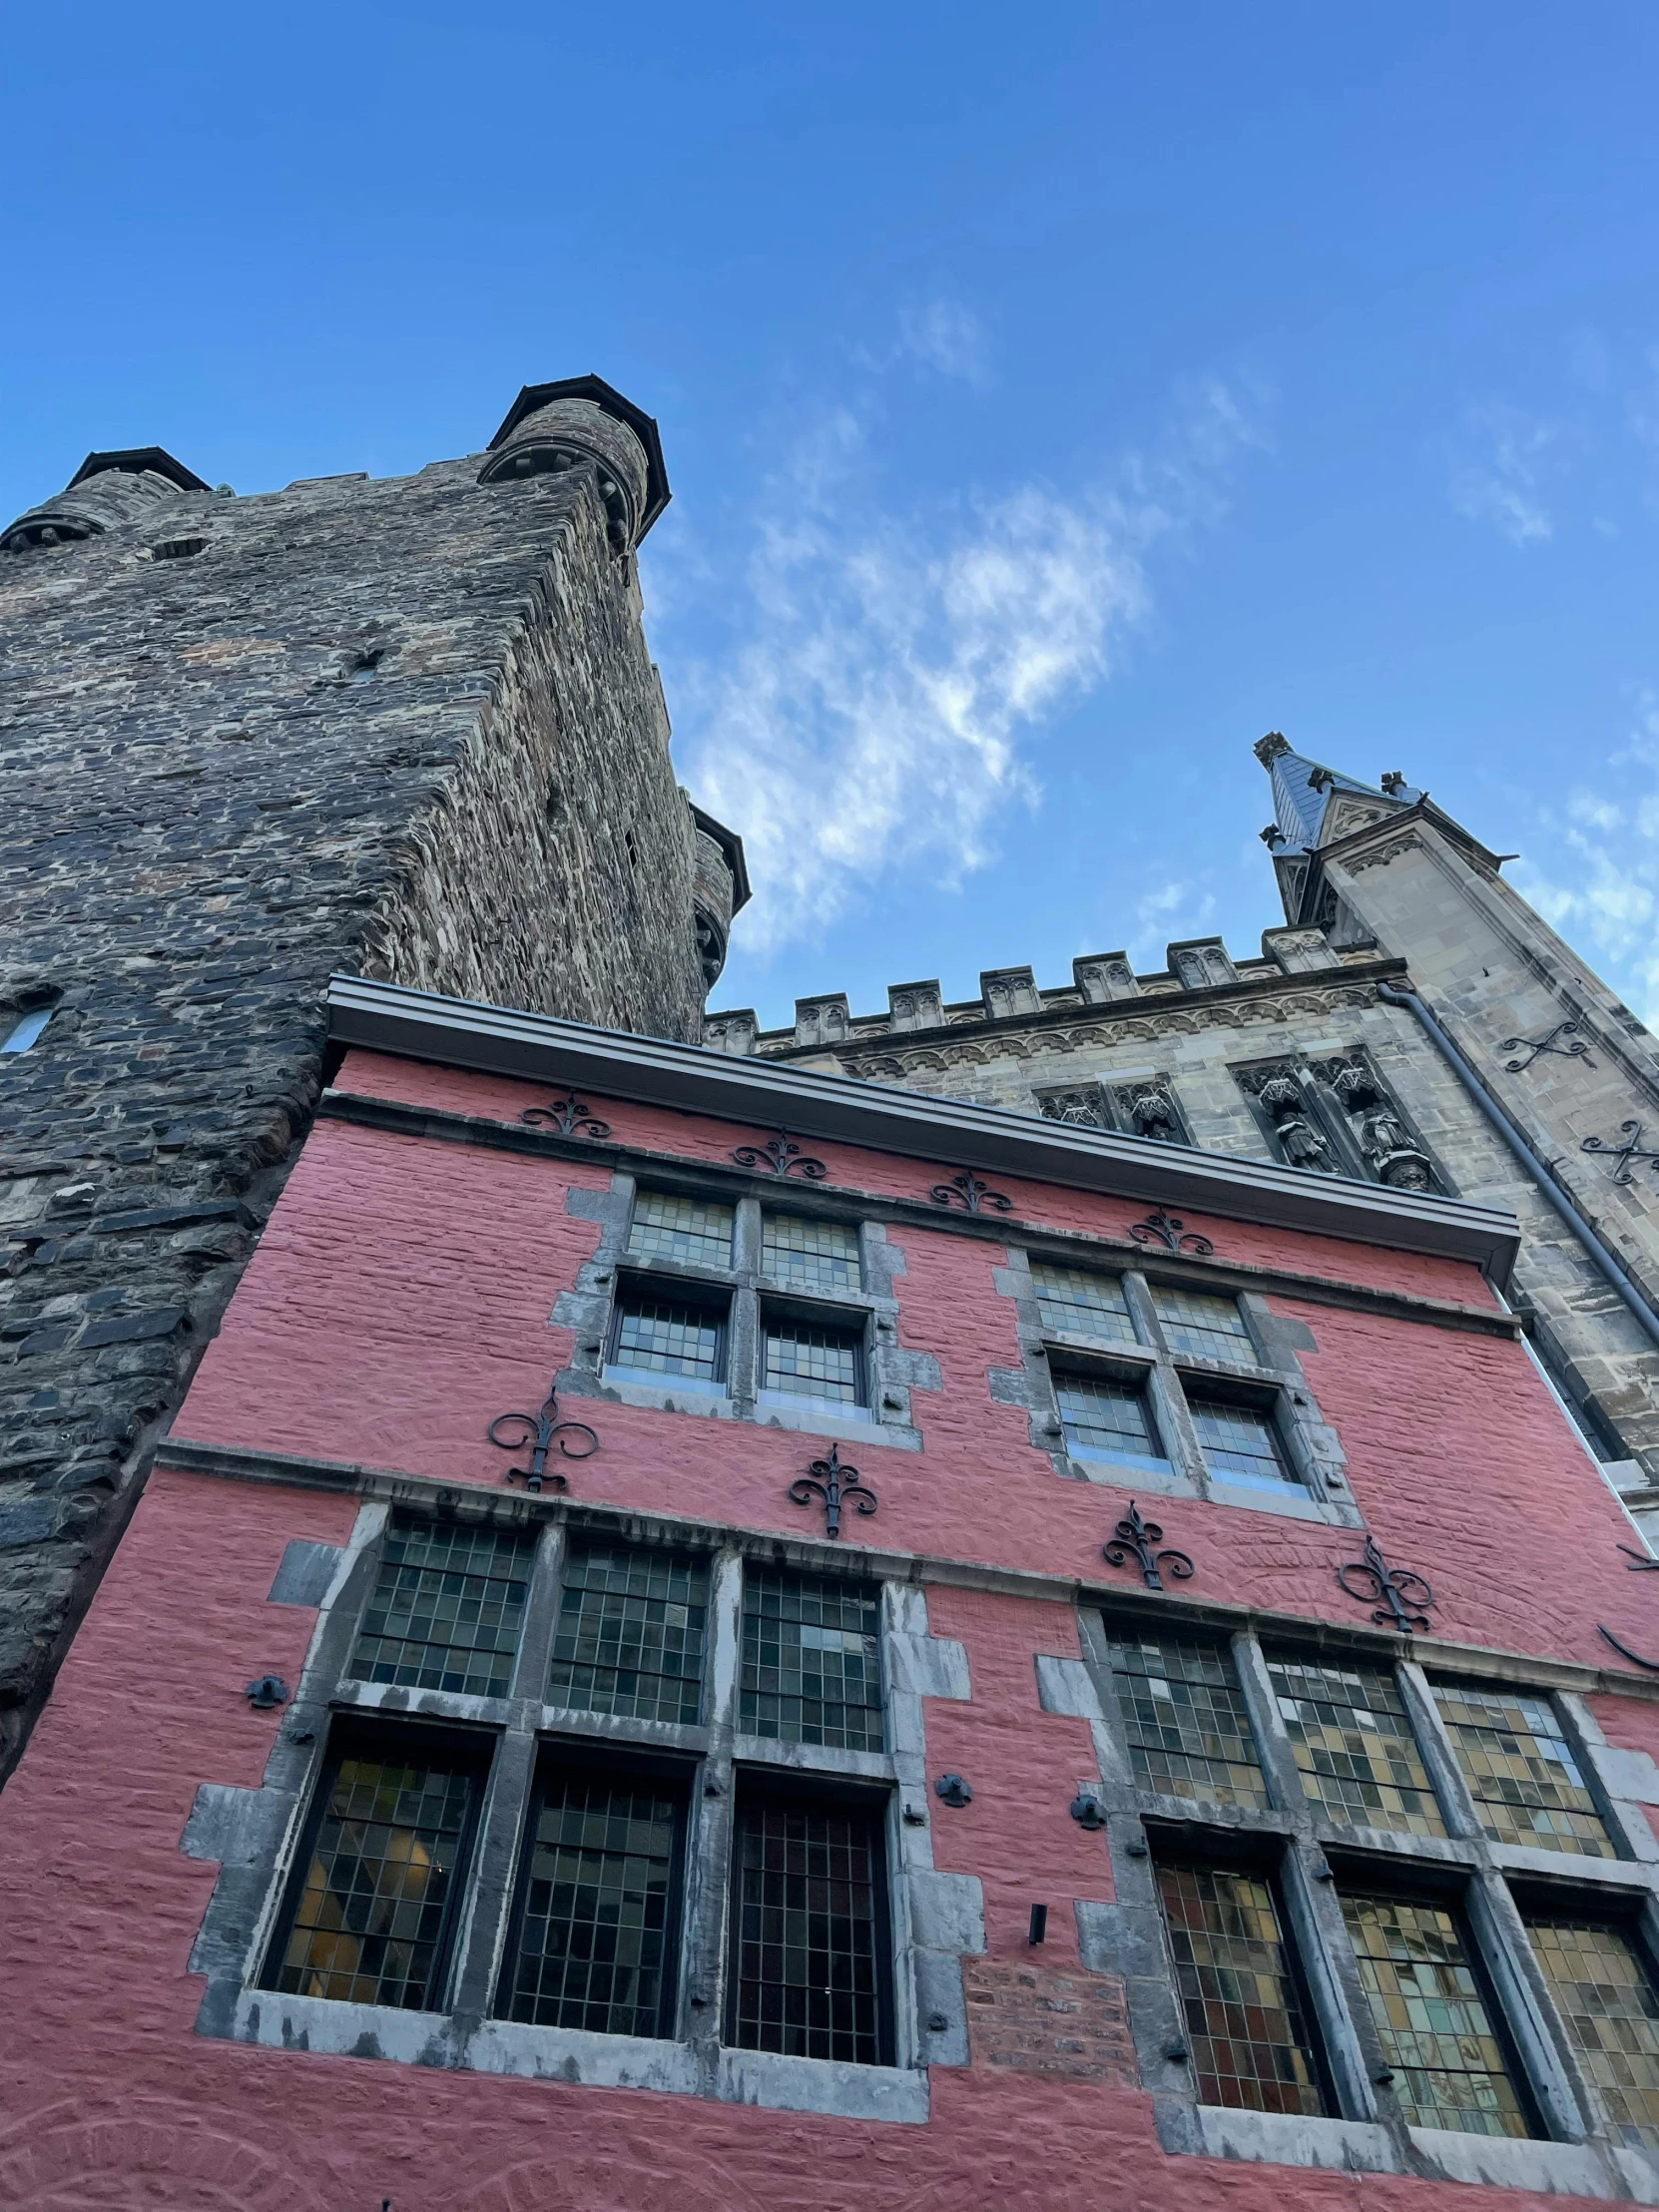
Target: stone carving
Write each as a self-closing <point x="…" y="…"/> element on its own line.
<point x="1203" y="965"/>
<point x="1084" y="1108"/>
<point x="1008" y="991"/>
<point x="822" y="1020"/>
<point x="1103" y="976"/>
<point x="1380" y="856"/>
<point x="1153" y="1112"/>
<point x="1271" y="748"/>
<point x="915" y="1006"/>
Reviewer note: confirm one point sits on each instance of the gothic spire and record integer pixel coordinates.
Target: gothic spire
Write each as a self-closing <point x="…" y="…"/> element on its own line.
<point x="1303" y="791"/>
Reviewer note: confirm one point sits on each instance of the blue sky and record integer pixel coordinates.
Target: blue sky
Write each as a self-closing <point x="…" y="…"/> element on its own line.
<point x="1053" y="403"/>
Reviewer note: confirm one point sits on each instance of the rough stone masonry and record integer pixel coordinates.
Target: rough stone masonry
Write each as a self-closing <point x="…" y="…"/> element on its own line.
<point x="407" y="729"/>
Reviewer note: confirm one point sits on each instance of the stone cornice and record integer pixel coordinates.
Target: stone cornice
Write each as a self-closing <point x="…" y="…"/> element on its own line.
<point x="537" y="1048"/>
<point x="391" y="1485"/>
<point x="841" y="1201"/>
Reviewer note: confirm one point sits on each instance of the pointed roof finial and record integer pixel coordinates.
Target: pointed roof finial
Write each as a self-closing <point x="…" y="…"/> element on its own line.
<point x="1268" y="748"/>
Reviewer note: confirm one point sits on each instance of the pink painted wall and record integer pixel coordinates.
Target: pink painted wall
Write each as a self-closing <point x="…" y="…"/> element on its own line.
<point x="108" y="2099"/>
<point x="399" y="1301"/>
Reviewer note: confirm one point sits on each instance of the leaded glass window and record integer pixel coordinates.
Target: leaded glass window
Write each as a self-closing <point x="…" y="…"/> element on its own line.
<point x="1188" y="1726"/>
<point x="664" y="1335"/>
<point x="812" y="1671"/>
<point x="813" y="1254"/>
<point x="1082" y="1303"/>
<point x="1354" y="1746"/>
<point x="808" y="1974"/>
<point x="1105" y="1420"/>
<point x="596" y="1924"/>
<point x="630" y="1634"/>
<point x="1244" y="2019"/>
<point x="383" y="1863"/>
<point x="1431" y="2017"/>
<point x="1240" y="1444"/>
<point x="1202" y="1323"/>
<point x="1521" y="1774"/>
<point x="690" y="1229"/>
<point x="1606" y="1997"/>
<point x="447" y="1609"/>
<point x="806" y="1360"/>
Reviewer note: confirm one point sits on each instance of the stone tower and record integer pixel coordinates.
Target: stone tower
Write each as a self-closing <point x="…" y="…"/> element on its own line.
<point x="407" y="729"/>
<point x="1412" y="1023"/>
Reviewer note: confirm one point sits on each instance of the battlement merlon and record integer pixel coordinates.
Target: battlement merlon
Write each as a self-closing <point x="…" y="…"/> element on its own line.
<point x="1009" y="996"/>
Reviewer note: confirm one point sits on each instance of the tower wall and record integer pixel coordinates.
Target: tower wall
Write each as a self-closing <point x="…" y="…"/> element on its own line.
<point x="405" y="728"/>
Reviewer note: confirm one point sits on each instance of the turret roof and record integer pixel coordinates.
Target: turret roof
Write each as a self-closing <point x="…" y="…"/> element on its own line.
<point x="1303" y="789"/>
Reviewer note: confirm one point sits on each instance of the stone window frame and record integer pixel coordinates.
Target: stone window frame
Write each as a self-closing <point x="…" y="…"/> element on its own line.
<point x="1309" y="1856"/>
<point x="1274" y="1381"/>
<point x="934" y="1918"/>
<point x="890" y="1374"/>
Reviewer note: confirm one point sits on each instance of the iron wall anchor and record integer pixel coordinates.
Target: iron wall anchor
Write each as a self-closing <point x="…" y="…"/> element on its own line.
<point x="952" y="1790"/>
<point x="780" y="1155"/>
<point x="1171" y="1231"/>
<point x="512" y="1432"/>
<point x="826" y="1480"/>
<point x="568" y="1116"/>
<point x="1404" y="1595"/>
<point x="1132" y="1534"/>
<point x="972" y="1195"/>
<point x="268" y="1691"/>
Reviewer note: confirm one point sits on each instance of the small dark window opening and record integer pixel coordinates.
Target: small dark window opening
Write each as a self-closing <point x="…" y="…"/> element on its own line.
<point x="25" y="1028"/>
<point x="810" y="1972"/>
<point x="374" y="1895"/>
<point x="178" y="549"/>
<point x="632" y="846"/>
<point x="596" y="1926"/>
<point x="363" y="667"/>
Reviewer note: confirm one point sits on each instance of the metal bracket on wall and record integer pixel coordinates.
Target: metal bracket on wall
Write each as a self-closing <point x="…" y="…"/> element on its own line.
<point x="1402" y="1594"/>
<point x="569" y="1116"/>
<point x="1577" y="1050"/>
<point x="780" y="1155"/>
<point x="824" y="1480"/>
<point x="1132" y="1534"/>
<point x="1622" y="1154"/>
<point x="542" y="1427"/>
<point x="966" y="1190"/>
<point x="1166" y="1229"/>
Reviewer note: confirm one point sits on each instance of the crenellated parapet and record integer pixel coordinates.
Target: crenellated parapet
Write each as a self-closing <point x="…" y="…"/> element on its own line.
<point x="1194" y="968"/>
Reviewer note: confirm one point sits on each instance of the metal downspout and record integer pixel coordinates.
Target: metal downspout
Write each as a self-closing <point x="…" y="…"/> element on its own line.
<point x="1513" y="1137"/>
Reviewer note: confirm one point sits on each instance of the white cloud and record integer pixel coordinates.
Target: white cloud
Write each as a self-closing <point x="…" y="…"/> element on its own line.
<point x="1502" y="485"/>
<point x="945" y="336"/>
<point x="886" y="670"/>
<point x="1164" y="916"/>
<point x="1609" y="846"/>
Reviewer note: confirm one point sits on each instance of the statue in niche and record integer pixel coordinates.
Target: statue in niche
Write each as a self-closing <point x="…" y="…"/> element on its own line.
<point x="1152" y="1110"/>
<point x="1298" y="1140"/>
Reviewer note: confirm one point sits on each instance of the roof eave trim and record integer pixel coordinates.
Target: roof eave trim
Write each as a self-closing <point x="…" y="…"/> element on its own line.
<point x="458" y="1033"/>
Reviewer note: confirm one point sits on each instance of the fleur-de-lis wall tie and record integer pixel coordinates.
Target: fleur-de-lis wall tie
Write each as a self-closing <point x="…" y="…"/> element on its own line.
<point x="512" y="1432"/>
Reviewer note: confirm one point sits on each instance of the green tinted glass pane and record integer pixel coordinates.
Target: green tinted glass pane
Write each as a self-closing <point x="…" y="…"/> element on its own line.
<point x="1188" y="1727"/>
<point x="657" y="1335"/>
<point x="1084" y="1305"/>
<point x="804" y="1360"/>
<point x="690" y="1229"/>
<point x="1240" y="1445"/>
<point x="448" y="1608"/>
<point x="1435" y="2031"/>
<point x="1105" y="1416"/>
<point x="811" y="1660"/>
<point x="816" y="1255"/>
<point x="1353" y="1745"/>
<point x="630" y="1634"/>
<point x="1245" y="2021"/>
<point x="1524" y="1777"/>
<point x="1202" y="1323"/>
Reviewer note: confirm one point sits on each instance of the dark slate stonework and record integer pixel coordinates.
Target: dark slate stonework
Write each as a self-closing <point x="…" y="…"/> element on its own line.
<point x="407" y="729"/>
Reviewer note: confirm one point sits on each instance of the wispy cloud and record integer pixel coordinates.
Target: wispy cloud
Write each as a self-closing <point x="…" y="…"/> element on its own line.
<point x="1606" y="839"/>
<point x="1499" y="479"/>
<point x="1164" y="915"/>
<point x="939" y="337"/>
<point x="888" y="669"/>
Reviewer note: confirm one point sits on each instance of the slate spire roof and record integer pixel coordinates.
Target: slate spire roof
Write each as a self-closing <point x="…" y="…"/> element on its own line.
<point x="1303" y="791"/>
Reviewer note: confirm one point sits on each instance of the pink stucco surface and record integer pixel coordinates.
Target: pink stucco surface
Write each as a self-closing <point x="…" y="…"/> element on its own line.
<point x="399" y="1301"/>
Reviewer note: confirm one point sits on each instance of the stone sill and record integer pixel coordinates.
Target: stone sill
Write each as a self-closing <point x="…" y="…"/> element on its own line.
<point x="578" y="2056"/>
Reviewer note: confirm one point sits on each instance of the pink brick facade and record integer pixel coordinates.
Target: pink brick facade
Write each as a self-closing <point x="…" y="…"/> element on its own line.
<point x="399" y="1300"/>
